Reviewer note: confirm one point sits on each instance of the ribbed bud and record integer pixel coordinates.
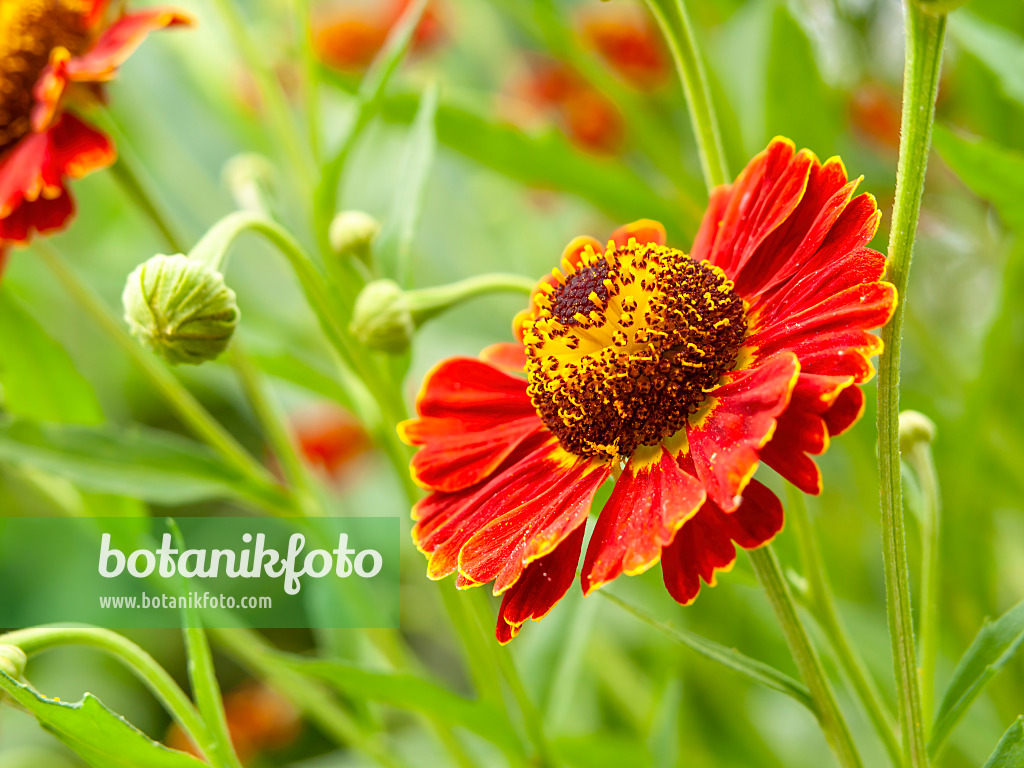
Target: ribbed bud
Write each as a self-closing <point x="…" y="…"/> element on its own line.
<point x="352" y="234"/>
<point x="180" y="308"/>
<point x="915" y="428"/>
<point x="382" y="318"/>
<point x="13" y="661"/>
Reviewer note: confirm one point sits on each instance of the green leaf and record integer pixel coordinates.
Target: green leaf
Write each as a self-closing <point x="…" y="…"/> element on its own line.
<point x="100" y="737"/>
<point x="997" y="48"/>
<point x="39" y="379"/>
<point x="994" y="645"/>
<point x="409" y="692"/>
<point x="396" y="245"/>
<point x="992" y="172"/>
<point x="1010" y="750"/>
<point x="140" y="463"/>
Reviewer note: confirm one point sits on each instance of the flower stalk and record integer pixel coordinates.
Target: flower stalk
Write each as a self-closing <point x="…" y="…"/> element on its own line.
<point x="925" y="34"/>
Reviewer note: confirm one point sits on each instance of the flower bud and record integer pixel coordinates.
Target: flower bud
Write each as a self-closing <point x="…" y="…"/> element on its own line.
<point x="13" y="661"/>
<point x="915" y="428"/>
<point x="180" y="308"/>
<point x="250" y="178"/>
<point x="352" y="234"/>
<point x="382" y="318"/>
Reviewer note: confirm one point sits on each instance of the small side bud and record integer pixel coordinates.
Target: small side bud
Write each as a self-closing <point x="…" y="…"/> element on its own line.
<point x="352" y="235"/>
<point x="13" y="661"/>
<point x="382" y="318"/>
<point x="250" y="178"/>
<point x="180" y="308"/>
<point x="915" y="428"/>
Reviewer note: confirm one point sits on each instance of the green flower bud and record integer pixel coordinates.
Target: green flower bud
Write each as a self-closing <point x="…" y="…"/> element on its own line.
<point x="382" y="318"/>
<point x="915" y="428"/>
<point x="352" y="234"/>
<point x="180" y="308"/>
<point x="13" y="661"/>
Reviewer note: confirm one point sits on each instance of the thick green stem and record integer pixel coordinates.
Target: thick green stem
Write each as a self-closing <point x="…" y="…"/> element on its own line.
<point x="126" y="172"/>
<point x="180" y="399"/>
<point x="140" y="663"/>
<point x="924" y="39"/>
<point x="822" y="605"/>
<point x="678" y="30"/>
<point x="766" y="566"/>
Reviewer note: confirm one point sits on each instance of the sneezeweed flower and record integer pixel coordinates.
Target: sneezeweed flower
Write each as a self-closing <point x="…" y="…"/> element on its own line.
<point x="52" y="52"/>
<point x="675" y="374"/>
<point x="331" y="439"/>
<point x="627" y="39"/>
<point x="349" y="37"/>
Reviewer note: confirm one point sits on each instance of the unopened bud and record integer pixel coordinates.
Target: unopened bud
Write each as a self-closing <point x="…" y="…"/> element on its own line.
<point x="915" y="428"/>
<point x="352" y="234"/>
<point x="180" y="308"/>
<point x="382" y="318"/>
<point x="13" y="661"/>
<point x="250" y="178"/>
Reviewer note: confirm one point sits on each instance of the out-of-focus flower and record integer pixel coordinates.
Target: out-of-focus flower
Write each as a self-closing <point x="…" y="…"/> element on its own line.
<point x="51" y="51"/>
<point x="348" y="36"/>
<point x="674" y="373"/>
<point x="551" y="90"/>
<point x="626" y="37"/>
<point x="259" y="720"/>
<point x="875" y="114"/>
<point x="330" y="439"/>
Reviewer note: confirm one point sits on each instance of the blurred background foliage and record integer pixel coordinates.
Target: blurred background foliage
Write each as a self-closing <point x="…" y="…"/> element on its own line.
<point x="544" y="134"/>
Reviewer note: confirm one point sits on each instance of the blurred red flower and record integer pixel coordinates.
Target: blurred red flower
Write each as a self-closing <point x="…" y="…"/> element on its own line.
<point x="675" y="374"/>
<point x="627" y="39"/>
<point x="330" y="439"/>
<point x="349" y="37"/>
<point x="51" y="50"/>
<point x="875" y="115"/>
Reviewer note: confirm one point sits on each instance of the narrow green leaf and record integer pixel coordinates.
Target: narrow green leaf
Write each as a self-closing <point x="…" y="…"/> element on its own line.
<point x="992" y="172"/>
<point x="1010" y="750"/>
<point x="39" y="379"/>
<point x="997" y="48"/>
<point x="993" y="646"/>
<point x="140" y="463"/>
<point x="409" y="692"/>
<point x="396" y="242"/>
<point x="100" y="737"/>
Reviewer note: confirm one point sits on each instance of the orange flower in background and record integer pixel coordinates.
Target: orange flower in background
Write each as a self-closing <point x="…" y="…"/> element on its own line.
<point x="350" y="36"/>
<point x="330" y="439"/>
<point x="627" y="39"/>
<point x="675" y="374"/>
<point x="875" y="114"/>
<point x="259" y="720"/>
<point x="552" y="90"/>
<point x="50" y="49"/>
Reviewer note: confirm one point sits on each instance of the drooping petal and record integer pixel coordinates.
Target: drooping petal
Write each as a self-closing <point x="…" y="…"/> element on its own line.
<point x="644" y="231"/>
<point x="705" y="543"/>
<point x="652" y="498"/>
<point x="471" y="416"/>
<point x="502" y="548"/>
<point x="544" y="582"/>
<point x="726" y="439"/>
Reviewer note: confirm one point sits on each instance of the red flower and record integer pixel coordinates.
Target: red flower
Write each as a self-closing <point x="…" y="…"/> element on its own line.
<point x="349" y="40"/>
<point x="554" y="90"/>
<point x="47" y="50"/>
<point x="331" y="439"/>
<point x="674" y="374"/>
<point x="626" y="38"/>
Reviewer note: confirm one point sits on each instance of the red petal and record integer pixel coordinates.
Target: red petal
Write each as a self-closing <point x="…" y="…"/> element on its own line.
<point x="119" y="41"/>
<point x="471" y="417"/>
<point x="506" y="356"/>
<point x="704" y="545"/>
<point x="573" y="253"/>
<point x="651" y="500"/>
<point x="543" y="583"/>
<point x="78" y="149"/>
<point x="644" y="231"/>
<point x="725" y="442"/>
<point x="846" y="411"/>
<point x="560" y="503"/>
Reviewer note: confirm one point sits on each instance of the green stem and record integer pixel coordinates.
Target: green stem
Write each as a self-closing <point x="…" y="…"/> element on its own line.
<point x="920" y="458"/>
<point x="675" y="24"/>
<point x="130" y="178"/>
<point x="766" y="566"/>
<point x="181" y="400"/>
<point x="821" y="603"/>
<point x="140" y="663"/>
<point x="924" y="40"/>
<point x="311" y="74"/>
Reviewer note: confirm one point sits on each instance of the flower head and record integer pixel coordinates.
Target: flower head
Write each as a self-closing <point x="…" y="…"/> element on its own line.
<point x="349" y="39"/>
<point x="331" y="439"/>
<point x="627" y="39"/>
<point x="674" y="373"/>
<point x="50" y="49"/>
